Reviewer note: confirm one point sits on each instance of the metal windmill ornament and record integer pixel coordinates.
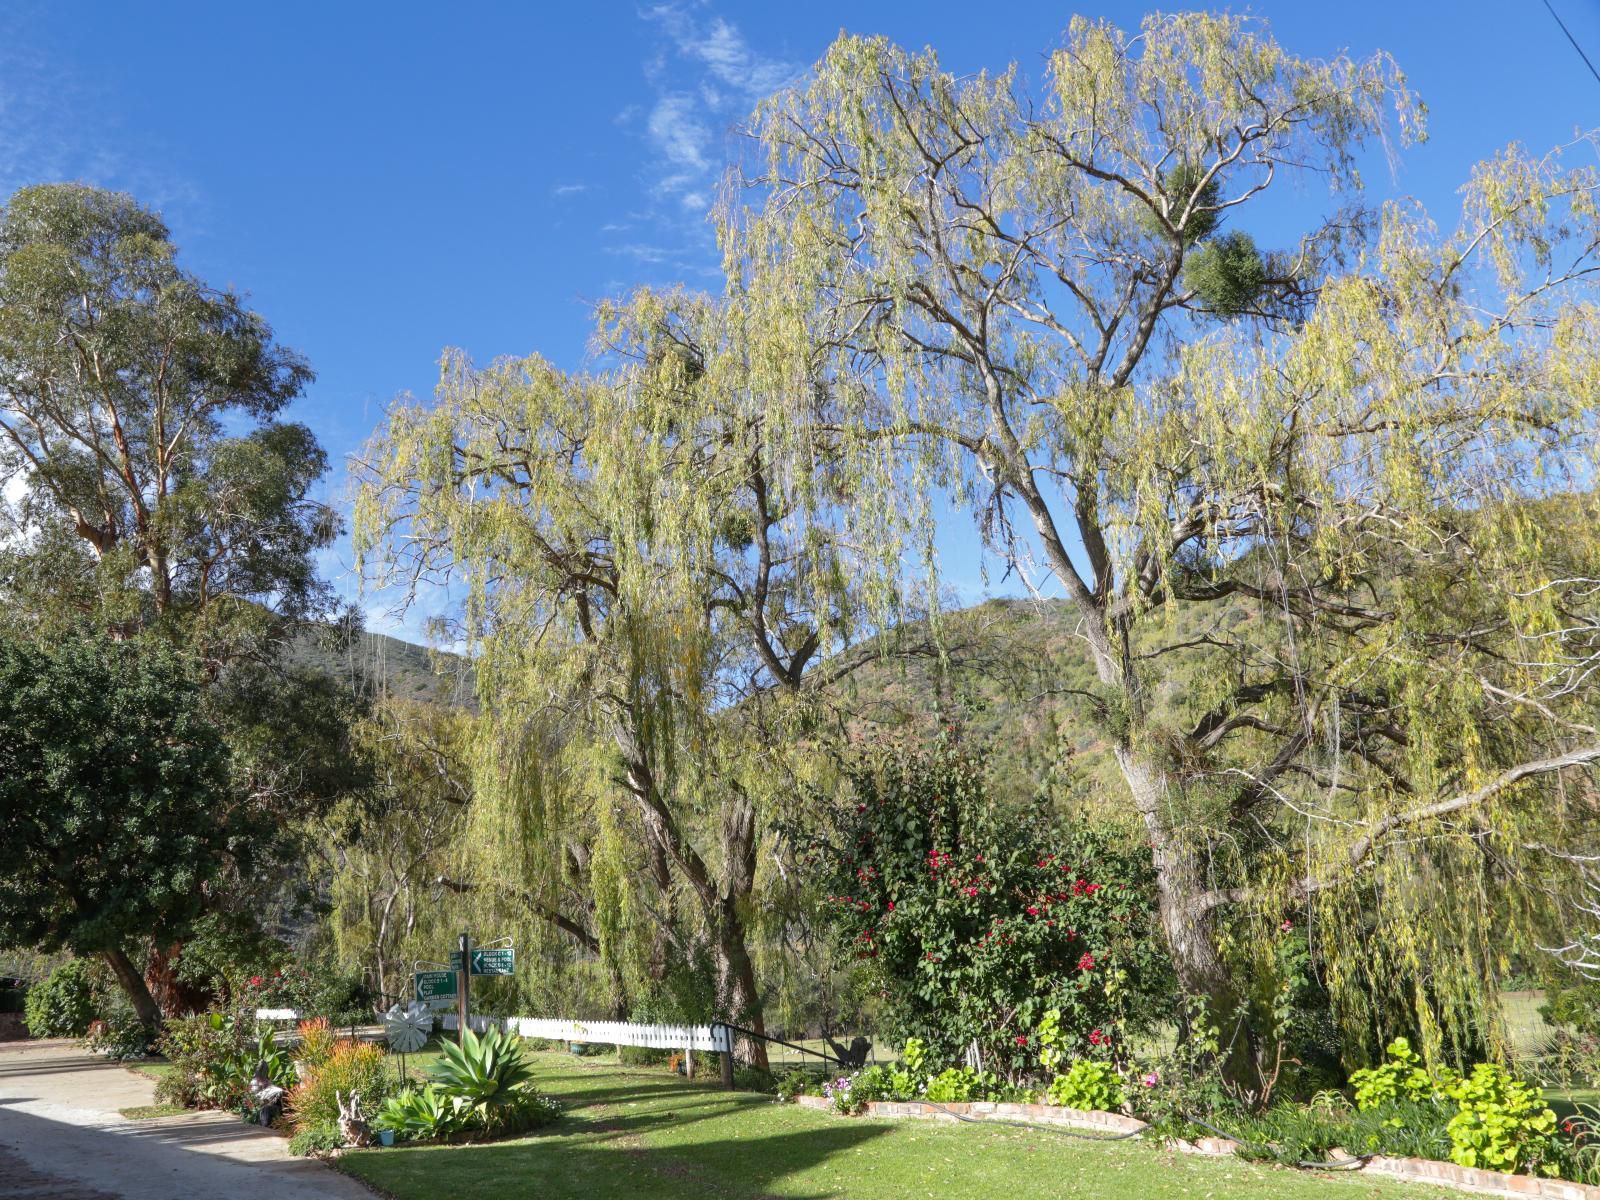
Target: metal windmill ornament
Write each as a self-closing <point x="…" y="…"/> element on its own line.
<point x="407" y="1028"/>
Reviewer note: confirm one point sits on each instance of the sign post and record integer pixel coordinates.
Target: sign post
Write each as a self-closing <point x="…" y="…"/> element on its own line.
<point x="463" y="984"/>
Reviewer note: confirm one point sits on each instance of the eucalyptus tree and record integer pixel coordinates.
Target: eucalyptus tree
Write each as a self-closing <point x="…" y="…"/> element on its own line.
<point x="648" y="604"/>
<point x="1300" y="500"/>
<point x="150" y="490"/>
<point x="138" y="419"/>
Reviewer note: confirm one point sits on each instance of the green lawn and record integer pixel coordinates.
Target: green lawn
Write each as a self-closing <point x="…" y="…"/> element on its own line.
<point x="632" y="1132"/>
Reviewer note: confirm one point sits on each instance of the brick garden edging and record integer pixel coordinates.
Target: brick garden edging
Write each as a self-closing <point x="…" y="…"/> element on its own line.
<point x="1412" y="1170"/>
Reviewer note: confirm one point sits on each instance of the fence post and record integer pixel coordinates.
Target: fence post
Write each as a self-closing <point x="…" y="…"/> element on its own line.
<point x="727" y="1058"/>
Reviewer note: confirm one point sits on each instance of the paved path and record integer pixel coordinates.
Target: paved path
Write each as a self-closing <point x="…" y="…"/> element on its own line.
<point x="61" y="1138"/>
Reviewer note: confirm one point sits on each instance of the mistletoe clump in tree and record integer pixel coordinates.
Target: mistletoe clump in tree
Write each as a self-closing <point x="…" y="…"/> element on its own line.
<point x="1325" y="516"/>
<point x="974" y="920"/>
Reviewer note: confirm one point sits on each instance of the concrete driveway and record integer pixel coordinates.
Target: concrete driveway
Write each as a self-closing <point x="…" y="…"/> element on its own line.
<point x="61" y="1138"/>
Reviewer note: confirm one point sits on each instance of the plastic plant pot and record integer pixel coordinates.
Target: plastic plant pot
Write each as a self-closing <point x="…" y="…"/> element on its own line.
<point x="385" y="1137"/>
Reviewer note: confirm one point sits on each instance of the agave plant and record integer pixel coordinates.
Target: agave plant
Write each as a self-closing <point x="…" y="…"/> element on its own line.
<point x="482" y="1072"/>
<point x="421" y="1113"/>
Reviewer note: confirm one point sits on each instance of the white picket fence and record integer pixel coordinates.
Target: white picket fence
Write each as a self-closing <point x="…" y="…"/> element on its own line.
<point x="610" y="1033"/>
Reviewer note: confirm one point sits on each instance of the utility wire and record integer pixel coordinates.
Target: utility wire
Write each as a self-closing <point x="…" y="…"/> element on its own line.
<point x="1573" y="40"/>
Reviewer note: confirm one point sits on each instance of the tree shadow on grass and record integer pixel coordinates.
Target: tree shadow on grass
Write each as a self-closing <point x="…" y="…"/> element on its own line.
<point x="600" y="1160"/>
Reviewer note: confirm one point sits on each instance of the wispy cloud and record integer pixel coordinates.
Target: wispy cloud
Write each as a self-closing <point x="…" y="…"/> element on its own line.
<point x="707" y="76"/>
<point x="569" y="189"/>
<point x="55" y="125"/>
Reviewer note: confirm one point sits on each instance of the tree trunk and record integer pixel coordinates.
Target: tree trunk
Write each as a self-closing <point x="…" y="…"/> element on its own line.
<point x="133" y="984"/>
<point x="1188" y="920"/>
<point x="736" y="986"/>
<point x="170" y="993"/>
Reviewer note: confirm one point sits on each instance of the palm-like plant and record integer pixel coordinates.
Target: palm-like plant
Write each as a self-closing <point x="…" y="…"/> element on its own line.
<point x="421" y="1113"/>
<point x="483" y="1072"/>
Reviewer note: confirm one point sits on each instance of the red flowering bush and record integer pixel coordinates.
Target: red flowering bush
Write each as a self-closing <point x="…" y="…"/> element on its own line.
<point x="976" y="919"/>
<point x="289" y="987"/>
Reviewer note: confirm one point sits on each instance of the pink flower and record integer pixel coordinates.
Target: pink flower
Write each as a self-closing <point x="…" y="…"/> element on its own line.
<point x="1286" y="926"/>
<point x="1086" y="963"/>
<point x="1151" y="1080"/>
<point x="255" y="981"/>
<point x="1098" y="1038"/>
<point x="1022" y="1040"/>
<point x="971" y="891"/>
<point x="891" y="906"/>
<point x="1033" y="910"/>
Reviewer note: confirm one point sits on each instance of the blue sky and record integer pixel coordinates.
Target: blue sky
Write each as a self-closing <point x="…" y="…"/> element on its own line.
<point x="387" y="180"/>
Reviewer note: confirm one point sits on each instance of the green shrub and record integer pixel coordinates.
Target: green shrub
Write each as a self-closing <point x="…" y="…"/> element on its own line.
<point x="1502" y="1124"/>
<point x="799" y="1081"/>
<point x="481" y="1073"/>
<point x="642" y="1056"/>
<point x="1402" y="1077"/>
<point x="874" y="1083"/>
<point x="524" y="1108"/>
<point x="958" y="907"/>
<point x="420" y="1114"/>
<point x="753" y="1079"/>
<point x="214" y="1056"/>
<point x="1400" y="1129"/>
<point x="120" y="1035"/>
<point x="67" y="1001"/>
<point x="351" y="1068"/>
<point x="953" y="1085"/>
<point x="1088" y="1085"/>
<point x="315" y="1139"/>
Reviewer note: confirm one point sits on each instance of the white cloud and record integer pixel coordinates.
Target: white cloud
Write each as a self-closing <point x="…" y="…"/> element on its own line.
<point x="705" y="77"/>
<point x="57" y="125"/>
<point x="643" y="252"/>
<point x="729" y="57"/>
<point x="569" y="189"/>
<point x="679" y="134"/>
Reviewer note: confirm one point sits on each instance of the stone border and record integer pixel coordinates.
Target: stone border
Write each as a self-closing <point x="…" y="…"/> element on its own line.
<point x="1411" y="1170"/>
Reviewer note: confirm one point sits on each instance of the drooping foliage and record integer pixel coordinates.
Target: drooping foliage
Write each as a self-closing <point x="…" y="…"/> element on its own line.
<point x="1325" y="514"/>
<point x="647" y="605"/>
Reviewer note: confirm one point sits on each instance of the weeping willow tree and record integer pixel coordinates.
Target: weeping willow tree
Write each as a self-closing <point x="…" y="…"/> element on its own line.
<point x="1324" y="514"/>
<point x="649" y="607"/>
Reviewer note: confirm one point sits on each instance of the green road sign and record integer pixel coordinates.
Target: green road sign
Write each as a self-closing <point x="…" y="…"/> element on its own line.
<point x="494" y="962"/>
<point x="436" y="989"/>
<point x="498" y="960"/>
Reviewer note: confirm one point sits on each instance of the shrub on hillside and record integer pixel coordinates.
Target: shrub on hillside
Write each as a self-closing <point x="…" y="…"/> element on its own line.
<point x="65" y="1003"/>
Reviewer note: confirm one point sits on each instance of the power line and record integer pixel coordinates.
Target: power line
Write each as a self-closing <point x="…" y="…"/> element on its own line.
<point x="1573" y="40"/>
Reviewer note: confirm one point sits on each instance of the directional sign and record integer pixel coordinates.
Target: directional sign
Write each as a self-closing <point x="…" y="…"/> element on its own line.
<point x="436" y="989"/>
<point x="499" y="960"/>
